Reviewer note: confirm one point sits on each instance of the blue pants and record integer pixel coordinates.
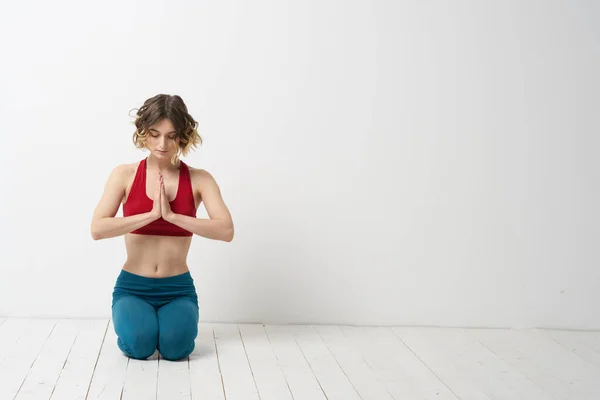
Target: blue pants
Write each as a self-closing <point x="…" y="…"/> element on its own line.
<point x="155" y="313"/>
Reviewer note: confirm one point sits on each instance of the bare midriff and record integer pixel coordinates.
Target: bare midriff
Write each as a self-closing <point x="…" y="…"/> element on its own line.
<point x="156" y="256"/>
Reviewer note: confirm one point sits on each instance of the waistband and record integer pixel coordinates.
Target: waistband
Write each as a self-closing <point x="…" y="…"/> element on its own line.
<point x="154" y="289"/>
<point x="128" y="277"/>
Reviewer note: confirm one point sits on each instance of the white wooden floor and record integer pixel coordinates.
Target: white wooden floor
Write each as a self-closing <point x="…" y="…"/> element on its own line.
<point x="79" y="359"/>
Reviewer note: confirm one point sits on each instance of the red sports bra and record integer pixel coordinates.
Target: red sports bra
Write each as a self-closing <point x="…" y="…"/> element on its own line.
<point x="138" y="202"/>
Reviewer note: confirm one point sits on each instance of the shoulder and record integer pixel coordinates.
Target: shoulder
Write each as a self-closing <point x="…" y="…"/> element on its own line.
<point x="127" y="169"/>
<point x="201" y="177"/>
<point x="123" y="172"/>
<point x="198" y="173"/>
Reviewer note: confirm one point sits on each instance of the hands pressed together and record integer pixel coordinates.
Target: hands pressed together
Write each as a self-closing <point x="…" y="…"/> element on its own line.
<point x="161" y="207"/>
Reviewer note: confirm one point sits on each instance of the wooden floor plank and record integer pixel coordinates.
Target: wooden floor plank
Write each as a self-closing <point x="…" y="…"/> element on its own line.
<point x="10" y="331"/>
<point x="75" y="377"/>
<point x="205" y="375"/>
<point x="44" y="373"/>
<point x="268" y="376"/>
<point x="580" y="343"/>
<point x="297" y="371"/>
<point x="332" y="378"/>
<point x="141" y="378"/>
<point x="554" y="369"/>
<point x="17" y="362"/>
<point x="364" y="380"/>
<point x="174" y="380"/>
<point x="109" y="375"/>
<point x="235" y="369"/>
<point x="484" y="369"/>
<point x="397" y="367"/>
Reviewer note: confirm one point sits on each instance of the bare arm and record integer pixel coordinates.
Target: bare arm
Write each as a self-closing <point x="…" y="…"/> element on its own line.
<point x="104" y="223"/>
<point x="220" y="225"/>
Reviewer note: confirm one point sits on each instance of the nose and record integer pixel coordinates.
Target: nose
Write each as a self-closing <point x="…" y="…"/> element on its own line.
<point x="163" y="143"/>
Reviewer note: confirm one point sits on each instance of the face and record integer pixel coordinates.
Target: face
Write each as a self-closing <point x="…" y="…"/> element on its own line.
<point x="162" y="139"/>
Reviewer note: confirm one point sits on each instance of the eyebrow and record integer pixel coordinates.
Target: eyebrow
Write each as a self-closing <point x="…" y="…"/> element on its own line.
<point x="152" y="129"/>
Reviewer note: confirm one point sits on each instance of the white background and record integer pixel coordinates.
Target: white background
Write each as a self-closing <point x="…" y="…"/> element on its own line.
<point x="385" y="162"/>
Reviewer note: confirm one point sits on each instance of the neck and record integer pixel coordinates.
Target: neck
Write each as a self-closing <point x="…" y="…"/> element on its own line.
<point x="162" y="165"/>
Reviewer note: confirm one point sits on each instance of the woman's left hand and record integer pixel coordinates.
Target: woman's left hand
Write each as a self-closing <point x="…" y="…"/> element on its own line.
<point x="165" y="207"/>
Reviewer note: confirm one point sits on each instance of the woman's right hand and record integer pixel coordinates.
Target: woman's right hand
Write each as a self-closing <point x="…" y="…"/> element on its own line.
<point x="156" y="211"/>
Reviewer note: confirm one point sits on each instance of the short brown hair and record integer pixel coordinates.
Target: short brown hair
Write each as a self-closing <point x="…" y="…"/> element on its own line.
<point x="174" y="109"/>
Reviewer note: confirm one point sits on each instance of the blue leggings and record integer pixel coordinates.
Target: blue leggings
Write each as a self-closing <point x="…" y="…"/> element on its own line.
<point x="155" y="313"/>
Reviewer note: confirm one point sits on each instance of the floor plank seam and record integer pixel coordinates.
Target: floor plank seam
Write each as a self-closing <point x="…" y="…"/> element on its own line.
<point x="189" y="376"/>
<point x="87" y="393"/>
<point x="64" y="364"/>
<point x="219" y="362"/>
<point x="571" y="351"/>
<point x="278" y="363"/>
<point x="124" y="378"/>
<point x="36" y="357"/>
<point x="336" y="361"/>
<point x="309" y="366"/>
<point x="517" y="369"/>
<point x="425" y="364"/>
<point x="248" y="359"/>
<point x="157" y="372"/>
<point x="367" y="364"/>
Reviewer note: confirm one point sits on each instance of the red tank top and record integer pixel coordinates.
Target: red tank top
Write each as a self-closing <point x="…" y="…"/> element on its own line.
<point x="138" y="202"/>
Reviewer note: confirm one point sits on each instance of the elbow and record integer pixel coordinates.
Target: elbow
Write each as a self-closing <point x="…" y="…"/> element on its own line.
<point x="228" y="235"/>
<point x="96" y="235"/>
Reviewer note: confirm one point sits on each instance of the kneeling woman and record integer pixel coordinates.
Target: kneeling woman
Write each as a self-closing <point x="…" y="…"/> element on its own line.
<point x="154" y="304"/>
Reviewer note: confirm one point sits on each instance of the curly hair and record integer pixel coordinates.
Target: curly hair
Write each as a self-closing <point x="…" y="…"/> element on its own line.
<point x="173" y="108"/>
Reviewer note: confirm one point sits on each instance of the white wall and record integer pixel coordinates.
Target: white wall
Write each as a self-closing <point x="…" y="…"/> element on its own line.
<point x="385" y="162"/>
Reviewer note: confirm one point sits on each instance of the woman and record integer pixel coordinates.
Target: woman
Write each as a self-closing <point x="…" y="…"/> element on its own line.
<point x="154" y="303"/>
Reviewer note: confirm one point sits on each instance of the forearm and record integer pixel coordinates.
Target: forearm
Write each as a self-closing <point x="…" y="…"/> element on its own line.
<point x="217" y="229"/>
<point x="104" y="228"/>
